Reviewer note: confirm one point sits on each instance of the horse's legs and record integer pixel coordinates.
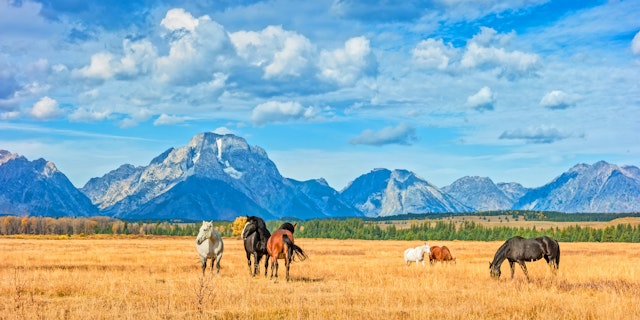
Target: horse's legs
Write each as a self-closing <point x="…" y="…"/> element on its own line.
<point x="512" y="270"/>
<point x="287" y="263"/>
<point x="524" y="269"/>
<point x="218" y="258"/>
<point x="266" y="264"/>
<point x="204" y="265"/>
<point x="256" y="265"/>
<point x="249" y="261"/>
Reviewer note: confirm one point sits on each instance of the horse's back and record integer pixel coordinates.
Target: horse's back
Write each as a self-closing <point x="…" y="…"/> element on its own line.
<point x="275" y="244"/>
<point x="446" y="254"/>
<point x="436" y="252"/>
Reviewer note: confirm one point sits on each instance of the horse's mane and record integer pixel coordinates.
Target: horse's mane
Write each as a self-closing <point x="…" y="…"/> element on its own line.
<point x="288" y="226"/>
<point x="261" y="226"/>
<point x="501" y="254"/>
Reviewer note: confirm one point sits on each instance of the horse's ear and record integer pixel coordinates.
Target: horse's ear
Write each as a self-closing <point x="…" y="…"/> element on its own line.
<point x="295" y="225"/>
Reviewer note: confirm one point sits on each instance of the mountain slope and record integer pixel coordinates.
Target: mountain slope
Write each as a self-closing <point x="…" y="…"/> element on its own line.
<point x="479" y="193"/>
<point x="384" y="193"/>
<point x="38" y="188"/>
<point x="601" y="187"/>
<point x="225" y="169"/>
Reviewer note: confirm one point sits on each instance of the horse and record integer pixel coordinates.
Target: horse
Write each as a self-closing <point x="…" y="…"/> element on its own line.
<point x="281" y="246"/>
<point x="209" y="246"/>
<point x="416" y="254"/>
<point x="519" y="249"/>
<point x="255" y="235"/>
<point x="440" y="254"/>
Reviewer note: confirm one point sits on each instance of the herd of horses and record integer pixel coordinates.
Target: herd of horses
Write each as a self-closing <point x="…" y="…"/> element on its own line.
<point x="259" y="242"/>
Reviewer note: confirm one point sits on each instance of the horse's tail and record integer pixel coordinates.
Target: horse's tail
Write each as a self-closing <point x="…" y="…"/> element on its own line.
<point x="557" y="255"/>
<point x="294" y="250"/>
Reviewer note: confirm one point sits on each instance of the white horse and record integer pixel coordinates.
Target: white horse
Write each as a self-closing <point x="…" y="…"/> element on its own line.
<point x="209" y="246"/>
<point x="416" y="254"/>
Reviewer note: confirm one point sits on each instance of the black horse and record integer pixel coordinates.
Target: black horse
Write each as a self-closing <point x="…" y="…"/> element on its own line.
<point x="519" y="249"/>
<point x="255" y="236"/>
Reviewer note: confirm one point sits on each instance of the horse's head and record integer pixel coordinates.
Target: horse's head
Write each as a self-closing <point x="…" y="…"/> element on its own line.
<point x="205" y="231"/>
<point x="426" y="249"/>
<point x="250" y="226"/>
<point x="495" y="271"/>
<point x="289" y="226"/>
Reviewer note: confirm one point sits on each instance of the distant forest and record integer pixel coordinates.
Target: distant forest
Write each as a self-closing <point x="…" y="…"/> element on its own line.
<point x="348" y="228"/>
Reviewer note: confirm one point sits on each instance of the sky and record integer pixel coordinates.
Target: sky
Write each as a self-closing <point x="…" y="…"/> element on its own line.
<point x="517" y="91"/>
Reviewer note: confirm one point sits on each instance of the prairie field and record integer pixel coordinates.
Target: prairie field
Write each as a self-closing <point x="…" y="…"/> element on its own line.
<point x="160" y="278"/>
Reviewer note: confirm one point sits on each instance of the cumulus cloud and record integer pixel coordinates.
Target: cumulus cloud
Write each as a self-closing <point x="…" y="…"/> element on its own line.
<point x="277" y="52"/>
<point x="541" y="134"/>
<point x="484" y="99"/>
<point x="347" y="65"/>
<point x="199" y="48"/>
<point x="557" y="99"/>
<point x="635" y="44"/>
<point x="275" y="111"/>
<point x="46" y="109"/>
<point x="482" y="51"/>
<point x="402" y="134"/>
<point x="138" y="58"/>
<point x="433" y="54"/>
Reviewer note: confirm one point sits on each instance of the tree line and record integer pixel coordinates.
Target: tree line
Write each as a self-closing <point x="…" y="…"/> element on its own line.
<point x="351" y="228"/>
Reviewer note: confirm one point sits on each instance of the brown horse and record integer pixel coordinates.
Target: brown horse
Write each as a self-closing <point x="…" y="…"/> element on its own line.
<point x="280" y="246"/>
<point x="441" y="254"/>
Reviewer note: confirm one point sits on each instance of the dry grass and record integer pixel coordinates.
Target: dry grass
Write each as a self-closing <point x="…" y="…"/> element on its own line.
<point x="159" y="278"/>
<point x="508" y="221"/>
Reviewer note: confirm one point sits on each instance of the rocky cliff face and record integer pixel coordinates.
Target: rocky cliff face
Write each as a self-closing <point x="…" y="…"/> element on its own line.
<point x="601" y="187"/>
<point x="480" y="193"/>
<point x="211" y="175"/>
<point x="37" y="188"/>
<point x="384" y="193"/>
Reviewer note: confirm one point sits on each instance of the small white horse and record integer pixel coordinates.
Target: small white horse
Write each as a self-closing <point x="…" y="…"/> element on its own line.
<point x="209" y="246"/>
<point x="416" y="254"/>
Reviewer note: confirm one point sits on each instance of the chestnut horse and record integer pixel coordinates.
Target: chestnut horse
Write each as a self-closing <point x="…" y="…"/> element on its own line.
<point x="441" y="254"/>
<point x="280" y="246"/>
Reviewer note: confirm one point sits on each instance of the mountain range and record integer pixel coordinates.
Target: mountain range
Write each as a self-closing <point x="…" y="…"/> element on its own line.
<point x="221" y="176"/>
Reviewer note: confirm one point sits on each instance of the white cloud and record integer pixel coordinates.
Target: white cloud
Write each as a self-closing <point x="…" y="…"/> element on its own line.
<point x="165" y="119"/>
<point x="347" y="65"/>
<point x="481" y="52"/>
<point x="540" y="134"/>
<point x="197" y="50"/>
<point x="403" y="134"/>
<point x="433" y="53"/>
<point x="557" y="99"/>
<point x="87" y="115"/>
<point x="274" y="111"/>
<point x="635" y="44"/>
<point x="99" y="68"/>
<point x="46" y="109"/>
<point x="278" y="52"/>
<point x="177" y="19"/>
<point x="484" y="99"/>
<point x="223" y="131"/>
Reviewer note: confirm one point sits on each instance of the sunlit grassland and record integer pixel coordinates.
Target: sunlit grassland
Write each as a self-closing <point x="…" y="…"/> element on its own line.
<point x="160" y="278"/>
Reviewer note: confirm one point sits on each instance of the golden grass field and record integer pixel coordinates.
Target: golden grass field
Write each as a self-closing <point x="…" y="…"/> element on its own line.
<point x="160" y="278"/>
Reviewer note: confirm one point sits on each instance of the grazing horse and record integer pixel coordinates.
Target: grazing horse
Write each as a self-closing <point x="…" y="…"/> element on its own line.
<point x="255" y="235"/>
<point x="441" y="254"/>
<point x="518" y="249"/>
<point x="209" y="246"/>
<point x="281" y="246"/>
<point x="416" y="254"/>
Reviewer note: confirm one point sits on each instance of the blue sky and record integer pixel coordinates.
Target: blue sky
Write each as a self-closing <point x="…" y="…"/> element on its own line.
<point x="511" y="90"/>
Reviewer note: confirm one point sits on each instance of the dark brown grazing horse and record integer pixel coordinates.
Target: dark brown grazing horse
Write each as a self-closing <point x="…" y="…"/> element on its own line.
<point x="441" y="254"/>
<point x="281" y="246"/>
